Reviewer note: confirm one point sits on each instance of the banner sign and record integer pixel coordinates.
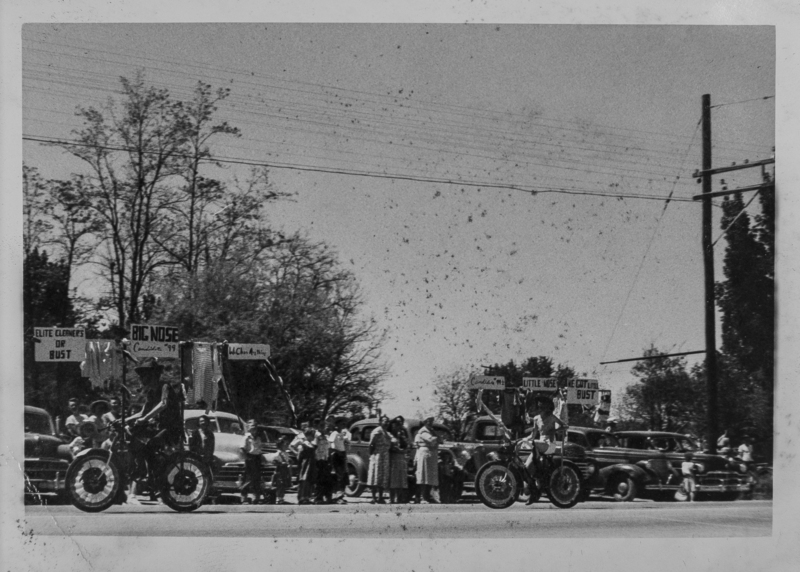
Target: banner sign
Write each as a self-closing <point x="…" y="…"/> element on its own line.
<point x="248" y="351"/>
<point x="486" y="382"/>
<point x="148" y="340"/>
<point x="579" y="391"/>
<point x="59" y="344"/>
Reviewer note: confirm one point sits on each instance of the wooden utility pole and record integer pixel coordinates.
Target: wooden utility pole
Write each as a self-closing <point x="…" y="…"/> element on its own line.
<point x="712" y="428"/>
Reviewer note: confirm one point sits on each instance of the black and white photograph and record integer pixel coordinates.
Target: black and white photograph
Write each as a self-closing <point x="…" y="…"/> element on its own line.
<point x="487" y="287"/>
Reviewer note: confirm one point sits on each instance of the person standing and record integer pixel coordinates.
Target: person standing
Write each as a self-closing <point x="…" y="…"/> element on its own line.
<point x="724" y="442"/>
<point x="305" y="447"/>
<point x="746" y="451"/>
<point x="398" y="465"/>
<point x="282" y="478"/>
<point x="687" y="470"/>
<point x="252" y="447"/>
<point x="378" y="475"/>
<point x="338" y="457"/>
<point x="324" y="483"/>
<point x="427" y="461"/>
<point x="75" y="418"/>
<point x="202" y="440"/>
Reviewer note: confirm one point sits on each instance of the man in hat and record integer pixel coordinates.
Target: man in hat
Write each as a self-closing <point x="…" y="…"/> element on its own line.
<point x="162" y="404"/>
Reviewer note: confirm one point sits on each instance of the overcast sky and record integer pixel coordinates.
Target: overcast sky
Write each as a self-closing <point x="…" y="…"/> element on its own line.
<point x="597" y="120"/>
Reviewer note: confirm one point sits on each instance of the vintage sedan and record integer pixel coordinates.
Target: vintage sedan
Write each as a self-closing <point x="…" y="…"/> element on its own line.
<point x="451" y="481"/>
<point x="47" y="458"/>
<point x="621" y="472"/>
<point x="228" y="466"/>
<point x="663" y="453"/>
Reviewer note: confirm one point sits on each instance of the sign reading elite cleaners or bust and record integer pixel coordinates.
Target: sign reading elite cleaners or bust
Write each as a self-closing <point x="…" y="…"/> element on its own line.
<point x="248" y="351"/>
<point x="148" y="340"/>
<point x="59" y="344"/>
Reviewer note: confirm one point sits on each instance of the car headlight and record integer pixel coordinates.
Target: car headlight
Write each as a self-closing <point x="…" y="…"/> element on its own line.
<point x="742" y="468"/>
<point x="590" y="469"/>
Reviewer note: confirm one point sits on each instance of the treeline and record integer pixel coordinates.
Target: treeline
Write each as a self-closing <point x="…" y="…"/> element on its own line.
<point x="167" y="240"/>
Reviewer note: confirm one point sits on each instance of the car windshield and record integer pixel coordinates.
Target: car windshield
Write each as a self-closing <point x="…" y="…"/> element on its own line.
<point x="37" y="423"/>
<point x="686" y="444"/>
<point x="231" y="426"/>
<point x="601" y="440"/>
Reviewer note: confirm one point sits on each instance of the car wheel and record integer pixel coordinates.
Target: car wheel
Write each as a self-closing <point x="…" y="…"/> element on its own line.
<point x="623" y="488"/>
<point x="354" y="485"/>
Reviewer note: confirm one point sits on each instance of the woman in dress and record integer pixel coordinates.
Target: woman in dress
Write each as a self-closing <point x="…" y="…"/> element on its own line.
<point x="379" y="444"/>
<point x="305" y="447"/>
<point x="427" y="461"/>
<point x="398" y="466"/>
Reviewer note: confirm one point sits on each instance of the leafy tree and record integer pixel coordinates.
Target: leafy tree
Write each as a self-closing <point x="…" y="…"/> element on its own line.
<point x="35" y="208"/>
<point x="46" y="303"/>
<point x="453" y="399"/>
<point x="300" y="301"/>
<point x="133" y="149"/>
<point x="746" y="299"/>
<point x="666" y="397"/>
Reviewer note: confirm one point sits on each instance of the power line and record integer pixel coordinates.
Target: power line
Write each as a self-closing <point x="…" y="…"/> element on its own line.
<point x="397" y="176"/>
<point x="183" y="63"/>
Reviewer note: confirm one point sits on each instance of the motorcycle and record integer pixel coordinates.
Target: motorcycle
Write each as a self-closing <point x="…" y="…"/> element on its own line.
<point x="499" y="483"/>
<point x="97" y="478"/>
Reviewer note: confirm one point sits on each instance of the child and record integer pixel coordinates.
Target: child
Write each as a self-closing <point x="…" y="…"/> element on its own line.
<point x="252" y="447"/>
<point x="687" y="469"/>
<point x="282" y="478"/>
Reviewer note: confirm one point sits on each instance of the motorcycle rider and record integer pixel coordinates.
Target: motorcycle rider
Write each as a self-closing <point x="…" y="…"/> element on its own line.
<point x="546" y="427"/>
<point x="163" y="405"/>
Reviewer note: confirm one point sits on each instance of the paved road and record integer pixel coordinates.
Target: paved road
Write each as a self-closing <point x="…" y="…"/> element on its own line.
<point x="640" y="519"/>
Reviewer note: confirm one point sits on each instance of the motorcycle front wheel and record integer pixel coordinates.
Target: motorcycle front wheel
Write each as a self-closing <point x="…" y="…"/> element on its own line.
<point x="564" y="486"/>
<point x="186" y="482"/>
<point x="497" y="486"/>
<point x="92" y="482"/>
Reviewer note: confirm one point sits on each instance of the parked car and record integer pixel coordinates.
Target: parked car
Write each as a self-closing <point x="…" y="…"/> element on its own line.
<point x="622" y="472"/>
<point x="47" y="458"/>
<point x="656" y="457"/>
<point x="228" y="466"/>
<point x="451" y="481"/>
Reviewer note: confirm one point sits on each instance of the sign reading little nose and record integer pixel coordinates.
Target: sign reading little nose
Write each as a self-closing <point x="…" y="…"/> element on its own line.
<point x="148" y="340"/>
<point x="248" y="351"/>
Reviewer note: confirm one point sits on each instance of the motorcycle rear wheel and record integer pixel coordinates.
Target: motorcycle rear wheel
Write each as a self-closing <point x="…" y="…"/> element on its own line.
<point x="92" y="482"/>
<point x="564" y="487"/>
<point x="186" y="482"/>
<point x="497" y="486"/>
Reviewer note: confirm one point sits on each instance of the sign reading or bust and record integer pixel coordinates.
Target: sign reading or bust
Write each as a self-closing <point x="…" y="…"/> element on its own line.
<point x="148" y="340"/>
<point x="59" y="344"/>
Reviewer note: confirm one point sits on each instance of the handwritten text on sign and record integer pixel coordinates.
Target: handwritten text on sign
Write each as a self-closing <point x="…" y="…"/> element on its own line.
<point x="487" y="382"/>
<point x="248" y="351"/>
<point x="60" y="344"/>
<point x="579" y="390"/>
<point x="154" y="341"/>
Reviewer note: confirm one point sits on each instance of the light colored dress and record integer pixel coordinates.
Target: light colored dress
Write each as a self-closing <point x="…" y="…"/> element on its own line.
<point x="380" y="442"/>
<point x="427" y="458"/>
